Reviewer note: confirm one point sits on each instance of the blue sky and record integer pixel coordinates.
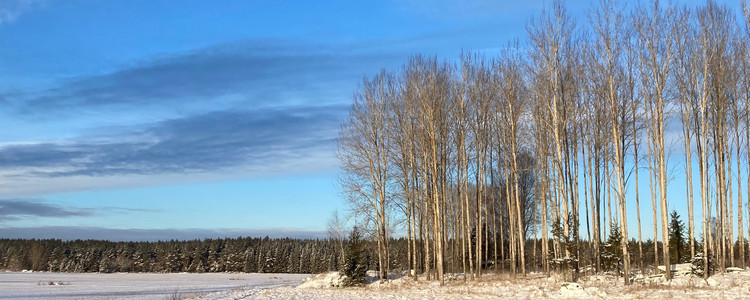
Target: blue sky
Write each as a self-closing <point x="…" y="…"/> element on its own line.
<point x="192" y="119"/>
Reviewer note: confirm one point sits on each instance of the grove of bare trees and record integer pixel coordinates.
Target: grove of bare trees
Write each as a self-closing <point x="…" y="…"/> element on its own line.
<point x="528" y="159"/>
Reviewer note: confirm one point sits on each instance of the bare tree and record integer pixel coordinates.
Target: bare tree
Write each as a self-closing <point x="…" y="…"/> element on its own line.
<point x="512" y="107"/>
<point x="655" y="28"/>
<point x="337" y="231"/>
<point x="631" y="60"/>
<point x="461" y="129"/>
<point x="474" y="156"/>
<point x="404" y="155"/>
<point x="552" y="59"/>
<point x="718" y="29"/>
<point x="745" y="89"/>
<point x="608" y="74"/>
<point x="685" y="74"/>
<point x="363" y="153"/>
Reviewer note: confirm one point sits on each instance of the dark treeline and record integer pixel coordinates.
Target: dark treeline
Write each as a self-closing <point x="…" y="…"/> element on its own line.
<point x="549" y="141"/>
<point x="262" y="255"/>
<point x="249" y="255"/>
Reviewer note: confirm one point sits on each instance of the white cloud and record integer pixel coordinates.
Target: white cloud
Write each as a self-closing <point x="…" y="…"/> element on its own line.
<point x="10" y="10"/>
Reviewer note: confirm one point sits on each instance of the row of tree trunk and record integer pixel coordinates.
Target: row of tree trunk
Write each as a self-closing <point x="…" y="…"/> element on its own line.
<point x="474" y="157"/>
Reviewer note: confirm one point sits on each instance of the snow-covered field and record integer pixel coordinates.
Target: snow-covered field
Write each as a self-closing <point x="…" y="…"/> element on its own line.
<point x="294" y="286"/>
<point x="535" y="286"/>
<point x="40" y="285"/>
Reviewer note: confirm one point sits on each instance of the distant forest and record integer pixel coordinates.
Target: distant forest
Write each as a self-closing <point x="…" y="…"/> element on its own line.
<point x="261" y="255"/>
<point x="244" y="254"/>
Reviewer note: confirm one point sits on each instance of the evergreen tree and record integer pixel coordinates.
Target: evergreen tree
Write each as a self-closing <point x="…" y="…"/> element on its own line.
<point x="698" y="267"/>
<point x="355" y="265"/>
<point x="612" y="251"/>
<point x="677" y="239"/>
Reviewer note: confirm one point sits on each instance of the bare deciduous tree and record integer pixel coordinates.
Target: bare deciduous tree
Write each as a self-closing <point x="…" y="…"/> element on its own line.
<point x="474" y="158"/>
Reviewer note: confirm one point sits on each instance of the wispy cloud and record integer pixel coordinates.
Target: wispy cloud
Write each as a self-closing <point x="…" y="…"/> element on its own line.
<point x="231" y="111"/>
<point x="10" y="10"/>
<point x="97" y="233"/>
<point x="250" y="73"/>
<point x="206" y="142"/>
<point x="16" y="208"/>
<point x="228" y="143"/>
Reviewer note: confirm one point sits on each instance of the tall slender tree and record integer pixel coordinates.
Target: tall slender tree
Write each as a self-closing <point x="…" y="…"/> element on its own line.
<point x="655" y="28"/>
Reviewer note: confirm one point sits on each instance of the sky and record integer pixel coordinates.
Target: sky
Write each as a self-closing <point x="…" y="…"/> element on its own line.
<point x="148" y="120"/>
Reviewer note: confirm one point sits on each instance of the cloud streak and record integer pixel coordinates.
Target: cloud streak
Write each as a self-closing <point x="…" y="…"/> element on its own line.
<point x="232" y="111"/>
<point x="16" y="208"/>
<point x="19" y="208"/>
<point x="98" y="233"/>
<point x="257" y="73"/>
<point x="202" y="143"/>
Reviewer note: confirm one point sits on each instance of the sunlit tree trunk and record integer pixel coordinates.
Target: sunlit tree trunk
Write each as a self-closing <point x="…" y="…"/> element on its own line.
<point x="609" y="84"/>
<point x="655" y="36"/>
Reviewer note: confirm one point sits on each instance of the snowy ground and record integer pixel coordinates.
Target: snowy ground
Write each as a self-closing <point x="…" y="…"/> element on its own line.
<point x="39" y="285"/>
<point x="294" y="286"/>
<point x="535" y="286"/>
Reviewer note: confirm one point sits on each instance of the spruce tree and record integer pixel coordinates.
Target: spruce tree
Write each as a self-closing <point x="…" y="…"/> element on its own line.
<point x="612" y="250"/>
<point x="677" y="239"/>
<point x="355" y="266"/>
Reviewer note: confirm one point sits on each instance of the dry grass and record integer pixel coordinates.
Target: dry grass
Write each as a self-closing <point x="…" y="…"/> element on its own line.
<point x="183" y="296"/>
<point x="650" y="286"/>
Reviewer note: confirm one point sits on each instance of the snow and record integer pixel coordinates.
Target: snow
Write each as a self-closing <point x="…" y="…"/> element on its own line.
<point x="679" y="268"/>
<point x="42" y="285"/>
<point x="572" y="290"/>
<point x="734" y="270"/>
<point x="534" y="286"/>
<point x="299" y="286"/>
<point x="325" y="280"/>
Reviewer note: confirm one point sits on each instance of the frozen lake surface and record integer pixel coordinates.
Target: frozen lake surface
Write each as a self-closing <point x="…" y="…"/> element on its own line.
<point x="40" y="285"/>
